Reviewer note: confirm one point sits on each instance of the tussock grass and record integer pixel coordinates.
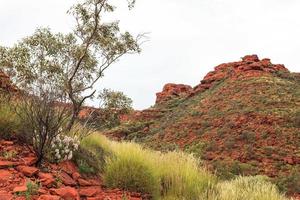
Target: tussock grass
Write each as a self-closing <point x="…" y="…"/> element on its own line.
<point x="171" y="176"/>
<point x="248" y="188"/>
<point x="131" y="168"/>
<point x="182" y="178"/>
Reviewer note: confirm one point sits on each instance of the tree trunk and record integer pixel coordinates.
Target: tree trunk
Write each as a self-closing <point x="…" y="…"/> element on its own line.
<point x="39" y="160"/>
<point x="75" y="112"/>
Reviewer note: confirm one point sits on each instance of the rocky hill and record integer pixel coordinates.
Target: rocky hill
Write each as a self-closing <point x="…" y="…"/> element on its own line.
<point x="243" y="118"/>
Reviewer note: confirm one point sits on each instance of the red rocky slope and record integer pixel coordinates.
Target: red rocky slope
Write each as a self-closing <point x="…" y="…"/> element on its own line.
<point x="57" y="182"/>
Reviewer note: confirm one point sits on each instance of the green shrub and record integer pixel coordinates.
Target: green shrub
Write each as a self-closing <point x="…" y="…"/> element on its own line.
<point x="248" y="188"/>
<point x="9" y="121"/>
<point x="289" y="183"/>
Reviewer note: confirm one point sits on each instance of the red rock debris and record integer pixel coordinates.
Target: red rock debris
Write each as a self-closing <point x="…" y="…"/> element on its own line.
<point x="58" y="182"/>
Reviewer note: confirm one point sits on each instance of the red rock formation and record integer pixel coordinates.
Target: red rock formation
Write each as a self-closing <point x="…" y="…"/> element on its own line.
<point x="172" y="90"/>
<point x="6" y="84"/>
<point x="250" y="65"/>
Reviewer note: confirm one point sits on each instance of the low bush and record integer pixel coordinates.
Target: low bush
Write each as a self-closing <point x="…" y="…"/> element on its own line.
<point x="289" y="183"/>
<point x="9" y="121"/>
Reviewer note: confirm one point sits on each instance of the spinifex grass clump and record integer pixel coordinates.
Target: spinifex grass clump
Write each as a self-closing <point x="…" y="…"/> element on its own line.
<point x="181" y="176"/>
<point x="248" y="188"/>
<point x="129" y="166"/>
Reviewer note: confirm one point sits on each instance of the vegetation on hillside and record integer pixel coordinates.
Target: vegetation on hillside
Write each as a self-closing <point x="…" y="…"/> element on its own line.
<point x="246" y="125"/>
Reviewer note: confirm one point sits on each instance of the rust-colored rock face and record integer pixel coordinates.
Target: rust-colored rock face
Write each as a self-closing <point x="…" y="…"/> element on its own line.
<point x="6" y="84"/>
<point x="172" y="90"/>
<point x="250" y="65"/>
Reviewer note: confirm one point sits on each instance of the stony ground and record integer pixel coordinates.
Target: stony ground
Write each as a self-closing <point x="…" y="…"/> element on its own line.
<point x="19" y="179"/>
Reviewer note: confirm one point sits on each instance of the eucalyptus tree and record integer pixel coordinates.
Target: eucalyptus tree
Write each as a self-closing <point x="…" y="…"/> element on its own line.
<point x="71" y="64"/>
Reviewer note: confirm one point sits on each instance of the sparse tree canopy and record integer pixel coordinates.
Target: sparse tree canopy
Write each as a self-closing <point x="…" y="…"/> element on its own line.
<point x="112" y="105"/>
<point x="115" y="100"/>
<point x="71" y="63"/>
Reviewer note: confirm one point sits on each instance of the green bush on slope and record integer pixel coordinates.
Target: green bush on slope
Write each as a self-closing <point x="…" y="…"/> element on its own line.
<point x="9" y="121"/>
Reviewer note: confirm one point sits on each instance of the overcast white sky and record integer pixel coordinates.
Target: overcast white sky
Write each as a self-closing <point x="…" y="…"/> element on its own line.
<point x="188" y="37"/>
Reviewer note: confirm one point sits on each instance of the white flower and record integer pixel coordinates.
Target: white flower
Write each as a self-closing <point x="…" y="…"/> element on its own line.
<point x="70" y="156"/>
<point x="57" y="150"/>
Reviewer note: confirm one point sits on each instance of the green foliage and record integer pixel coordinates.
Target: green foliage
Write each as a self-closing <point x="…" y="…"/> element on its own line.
<point x="9" y="121"/>
<point x="289" y="183"/>
<point x="71" y="63"/>
<point x="248" y="136"/>
<point x="229" y="169"/>
<point x="9" y="154"/>
<point x="113" y="105"/>
<point x="32" y="189"/>
<point x="84" y="168"/>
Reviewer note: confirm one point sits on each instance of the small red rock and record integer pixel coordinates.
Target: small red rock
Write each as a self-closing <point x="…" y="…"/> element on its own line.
<point x="49" y="197"/>
<point x="76" y="176"/>
<point x="20" y="189"/>
<point x="89" y="192"/>
<point x="46" y="179"/>
<point x="7" y="164"/>
<point x="67" y="180"/>
<point x="28" y="171"/>
<point x="30" y="160"/>
<point x="83" y="182"/>
<point x="68" y="167"/>
<point x="67" y="193"/>
<point x="4" y="195"/>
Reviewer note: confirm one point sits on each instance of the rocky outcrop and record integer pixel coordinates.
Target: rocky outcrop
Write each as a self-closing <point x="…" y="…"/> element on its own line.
<point x="250" y="65"/>
<point x="172" y="90"/>
<point x="6" y="84"/>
